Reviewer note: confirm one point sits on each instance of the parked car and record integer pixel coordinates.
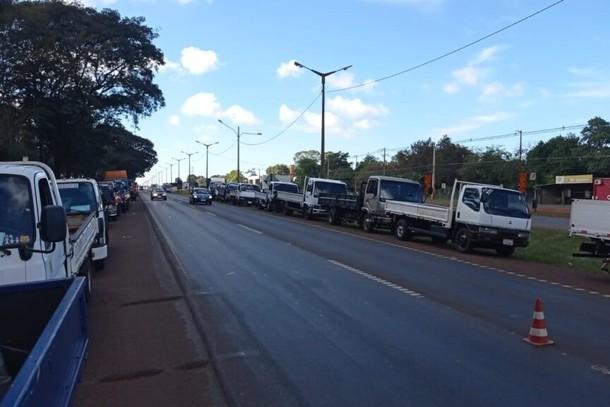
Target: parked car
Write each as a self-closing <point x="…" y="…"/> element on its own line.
<point x="158" y="193"/>
<point x="200" y="195"/>
<point x="123" y="195"/>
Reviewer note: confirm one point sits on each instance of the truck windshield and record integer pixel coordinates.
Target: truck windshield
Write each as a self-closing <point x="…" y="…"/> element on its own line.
<point x="249" y="187"/>
<point x="329" y="188"/>
<point x="77" y="197"/>
<point x="505" y="203"/>
<point x="401" y="191"/>
<point x="16" y="211"/>
<point x="287" y="188"/>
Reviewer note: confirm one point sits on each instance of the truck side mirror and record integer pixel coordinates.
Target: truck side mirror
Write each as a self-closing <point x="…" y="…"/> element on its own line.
<point x="53" y="224"/>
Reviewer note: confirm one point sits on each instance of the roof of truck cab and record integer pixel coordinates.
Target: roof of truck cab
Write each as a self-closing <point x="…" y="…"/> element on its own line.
<point x="25" y="170"/>
<point x="334" y="181"/>
<point x="385" y="178"/>
<point x="73" y="180"/>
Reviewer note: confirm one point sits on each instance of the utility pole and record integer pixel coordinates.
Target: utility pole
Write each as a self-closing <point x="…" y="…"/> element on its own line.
<point x="322" y="76"/>
<point x="207" y="146"/>
<point x="520" y="145"/>
<point x="384" y="162"/>
<point x="190" y="169"/>
<point x="239" y="133"/>
<point x="178" y="160"/>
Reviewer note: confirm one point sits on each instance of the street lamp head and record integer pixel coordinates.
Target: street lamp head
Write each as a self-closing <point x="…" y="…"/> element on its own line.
<point x="346" y="68"/>
<point x="298" y="64"/>
<point x="220" y="121"/>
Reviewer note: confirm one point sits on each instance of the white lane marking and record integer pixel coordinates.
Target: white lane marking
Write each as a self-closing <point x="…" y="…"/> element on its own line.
<point x="377" y="279"/>
<point x="250" y="229"/>
<point x="211" y="214"/>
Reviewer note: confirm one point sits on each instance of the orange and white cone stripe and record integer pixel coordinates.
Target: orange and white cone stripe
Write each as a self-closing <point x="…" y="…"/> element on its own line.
<point x="538" y="334"/>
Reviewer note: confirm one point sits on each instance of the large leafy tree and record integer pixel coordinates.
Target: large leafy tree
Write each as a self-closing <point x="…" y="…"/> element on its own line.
<point x="595" y="138"/>
<point x="307" y="164"/>
<point x="491" y="166"/>
<point x="559" y="155"/>
<point x="339" y="167"/>
<point x="68" y="74"/>
<point x="278" y="169"/>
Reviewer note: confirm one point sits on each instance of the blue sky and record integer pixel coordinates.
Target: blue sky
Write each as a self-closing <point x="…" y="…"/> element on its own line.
<point x="231" y="60"/>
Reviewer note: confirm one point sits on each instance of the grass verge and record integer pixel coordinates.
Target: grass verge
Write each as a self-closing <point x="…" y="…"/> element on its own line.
<point x="555" y="247"/>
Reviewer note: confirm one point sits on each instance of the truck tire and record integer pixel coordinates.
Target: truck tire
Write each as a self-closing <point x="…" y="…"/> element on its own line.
<point x="367" y="224"/>
<point x="286" y="211"/>
<point x="306" y="213"/>
<point x="333" y="219"/>
<point x="505" y="251"/>
<point x="463" y="240"/>
<point x="401" y="230"/>
<point x="85" y="271"/>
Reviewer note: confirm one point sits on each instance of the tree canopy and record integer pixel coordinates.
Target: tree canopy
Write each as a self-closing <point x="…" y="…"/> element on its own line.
<point x="278" y="169"/>
<point x="70" y="76"/>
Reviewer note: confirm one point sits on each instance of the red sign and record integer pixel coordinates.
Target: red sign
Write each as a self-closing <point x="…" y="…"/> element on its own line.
<point x="523" y="182"/>
<point x="428" y="183"/>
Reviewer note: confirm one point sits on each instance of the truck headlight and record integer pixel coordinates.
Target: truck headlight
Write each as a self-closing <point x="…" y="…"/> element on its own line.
<point x="489" y="231"/>
<point x="523" y="235"/>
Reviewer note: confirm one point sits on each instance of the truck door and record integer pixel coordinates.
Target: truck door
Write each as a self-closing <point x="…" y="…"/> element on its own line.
<point x="469" y="206"/>
<point x="371" y="196"/>
<point x="54" y="261"/>
<point x="309" y="198"/>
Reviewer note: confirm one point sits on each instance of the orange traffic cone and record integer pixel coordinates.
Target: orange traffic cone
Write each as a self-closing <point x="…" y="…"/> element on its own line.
<point x="538" y="335"/>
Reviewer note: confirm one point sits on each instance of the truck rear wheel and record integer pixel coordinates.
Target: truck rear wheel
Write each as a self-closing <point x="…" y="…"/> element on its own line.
<point x="85" y="271"/>
<point x="505" y="251"/>
<point x="333" y="219"/>
<point x="285" y="210"/>
<point x="463" y="240"/>
<point x="402" y="230"/>
<point x="367" y="224"/>
<point x="306" y="213"/>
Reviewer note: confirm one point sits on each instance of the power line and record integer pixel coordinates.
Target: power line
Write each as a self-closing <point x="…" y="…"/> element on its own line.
<point x="449" y="53"/>
<point x="285" y="129"/>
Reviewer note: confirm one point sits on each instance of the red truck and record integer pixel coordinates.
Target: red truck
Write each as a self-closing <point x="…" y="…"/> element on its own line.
<point x="601" y="189"/>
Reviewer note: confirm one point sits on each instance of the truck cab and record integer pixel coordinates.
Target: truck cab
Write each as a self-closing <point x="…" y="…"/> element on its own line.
<point x="81" y="198"/>
<point x="491" y="216"/>
<point x="379" y="189"/>
<point x="316" y="187"/>
<point x="34" y="240"/>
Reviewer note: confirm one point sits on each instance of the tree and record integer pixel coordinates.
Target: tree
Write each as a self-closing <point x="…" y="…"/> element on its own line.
<point x="178" y="182"/>
<point x="307" y="164"/>
<point x="491" y="166"/>
<point x="365" y="168"/>
<point x="191" y="180"/>
<point x="595" y="138"/>
<point x="232" y="177"/>
<point x="559" y="155"/>
<point x="68" y="73"/>
<point x="278" y="169"/>
<point x="339" y="167"/>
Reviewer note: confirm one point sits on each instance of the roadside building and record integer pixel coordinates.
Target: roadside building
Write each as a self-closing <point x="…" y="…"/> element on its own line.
<point x="565" y="189"/>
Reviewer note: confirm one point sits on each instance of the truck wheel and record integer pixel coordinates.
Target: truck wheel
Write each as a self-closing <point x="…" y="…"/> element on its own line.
<point x="463" y="240"/>
<point x="85" y="271"/>
<point x="285" y="210"/>
<point x="306" y="213"/>
<point x="367" y="224"/>
<point x="402" y="230"/>
<point x="333" y="219"/>
<point x="505" y="251"/>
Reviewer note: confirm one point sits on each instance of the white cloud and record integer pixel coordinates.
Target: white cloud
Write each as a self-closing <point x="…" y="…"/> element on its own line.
<point x="589" y="90"/>
<point x="198" y="61"/>
<point x="98" y="3"/>
<point x="468" y="75"/>
<point x="169" y="66"/>
<point x="355" y="108"/>
<point x="287" y="69"/>
<point x="451" y="88"/>
<point x="582" y="71"/>
<point x="206" y="104"/>
<point x="174" y="120"/>
<point x="345" y="79"/>
<point x="473" y="123"/>
<point x="492" y="89"/>
<point x="184" y="2"/>
<point x="487" y="54"/>
<point x="206" y="133"/>
<point x="344" y="117"/>
<point x="497" y="89"/>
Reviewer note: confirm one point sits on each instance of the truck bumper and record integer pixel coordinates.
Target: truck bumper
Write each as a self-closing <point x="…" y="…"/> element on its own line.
<point x="501" y="237"/>
<point x="100" y="252"/>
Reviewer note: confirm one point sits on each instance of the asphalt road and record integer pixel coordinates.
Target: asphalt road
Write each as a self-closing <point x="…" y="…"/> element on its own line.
<point x="299" y="315"/>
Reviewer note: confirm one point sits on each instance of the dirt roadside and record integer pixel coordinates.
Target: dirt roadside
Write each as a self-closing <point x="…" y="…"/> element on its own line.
<point x="144" y="349"/>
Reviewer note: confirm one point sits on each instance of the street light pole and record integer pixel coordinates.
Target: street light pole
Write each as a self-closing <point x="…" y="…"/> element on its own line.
<point x="171" y="174"/>
<point x="179" y="160"/>
<point x="239" y="133"/>
<point x="322" y="76"/>
<point x="189" y="171"/>
<point x="207" y="147"/>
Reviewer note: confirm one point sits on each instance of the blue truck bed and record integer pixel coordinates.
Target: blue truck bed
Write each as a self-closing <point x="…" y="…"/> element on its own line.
<point x="43" y="340"/>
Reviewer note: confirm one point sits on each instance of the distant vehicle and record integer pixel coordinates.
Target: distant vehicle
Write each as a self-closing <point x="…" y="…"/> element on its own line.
<point x="115" y="175"/>
<point x="200" y="195"/>
<point x="158" y="193"/>
<point x="307" y="202"/>
<point x="228" y="192"/>
<point x="34" y="241"/>
<point x="245" y="194"/>
<point x="133" y="190"/>
<point x="123" y="195"/>
<point x="368" y="208"/>
<point x="111" y="207"/>
<point x="266" y="199"/>
<point x="591" y="219"/>
<point x="81" y="198"/>
<point x="479" y="215"/>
